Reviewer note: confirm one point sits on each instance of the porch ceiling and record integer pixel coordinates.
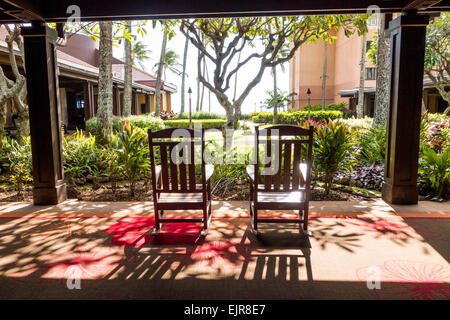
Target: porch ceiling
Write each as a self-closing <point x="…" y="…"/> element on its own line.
<point x="56" y="10"/>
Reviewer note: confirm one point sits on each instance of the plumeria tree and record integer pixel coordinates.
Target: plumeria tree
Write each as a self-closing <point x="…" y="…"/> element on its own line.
<point x="14" y="89"/>
<point x="227" y="38"/>
<point x="437" y="55"/>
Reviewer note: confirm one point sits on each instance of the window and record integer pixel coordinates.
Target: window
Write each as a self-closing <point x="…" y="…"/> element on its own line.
<point x="371" y="73"/>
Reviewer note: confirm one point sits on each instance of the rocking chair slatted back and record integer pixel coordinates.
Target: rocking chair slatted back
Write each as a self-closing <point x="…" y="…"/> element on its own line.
<point x="177" y="160"/>
<point x="289" y="169"/>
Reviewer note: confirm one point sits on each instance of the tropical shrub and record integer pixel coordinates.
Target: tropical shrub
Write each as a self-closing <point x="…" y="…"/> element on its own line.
<point x="115" y="168"/>
<point x="144" y="122"/>
<point x="436" y="117"/>
<point x="371" y="147"/>
<point x="369" y="176"/>
<point x="206" y="124"/>
<point x="20" y="164"/>
<point x="295" y="117"/>
<point x="357" y="126"/>
<point x="133" y="153"/>
<point x="82" y="156"/>
<point x="329" y="107"/>
<point x="201" y="115"/>
<point x="435" y="135"/>
<point x="332" y="151"/>
<point x="434" y="171"/>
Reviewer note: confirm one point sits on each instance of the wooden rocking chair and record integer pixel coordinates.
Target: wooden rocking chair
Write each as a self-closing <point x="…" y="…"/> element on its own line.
<point x="286" y="177"/>
<point x="174" y="180"/>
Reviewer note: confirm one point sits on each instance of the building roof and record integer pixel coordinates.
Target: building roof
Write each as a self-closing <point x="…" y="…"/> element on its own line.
<point x="72" y="67"/>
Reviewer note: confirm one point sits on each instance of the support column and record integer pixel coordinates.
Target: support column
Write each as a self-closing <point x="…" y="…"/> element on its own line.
<point x="134" y="103"/>
<point x="147" y="103"/>
<point x="403" y="124"/>
<point x="116" y="102"/>
<point x="88" y="91"/>
<point x="43" y="102"/>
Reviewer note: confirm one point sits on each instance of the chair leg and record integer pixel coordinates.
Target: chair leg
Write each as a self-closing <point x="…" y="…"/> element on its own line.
<point x="254" y="222"/>
<point x="305" y="223"/>
<point x="157" y="223"/>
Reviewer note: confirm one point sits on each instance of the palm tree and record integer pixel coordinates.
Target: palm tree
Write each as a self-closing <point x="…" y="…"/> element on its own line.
<point x="324" y="74"/>
<point x="140" y="53"/>
<point x="159" y="72"/>
<point x="105" y="83"/>
<point x="360" y="106"/>
<point x="128" y="70"/>
<point x="183" y="74"/>
<point x="169" y="61"/>
<point x="283" y="53"/>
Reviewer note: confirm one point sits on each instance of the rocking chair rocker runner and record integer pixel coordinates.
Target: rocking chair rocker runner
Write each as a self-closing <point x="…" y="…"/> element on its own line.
<point x="173" y="181"/>
<point x="286" y="174"/>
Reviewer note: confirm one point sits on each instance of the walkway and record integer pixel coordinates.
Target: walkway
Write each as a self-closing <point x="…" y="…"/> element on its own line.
<point x="43" y="250"/>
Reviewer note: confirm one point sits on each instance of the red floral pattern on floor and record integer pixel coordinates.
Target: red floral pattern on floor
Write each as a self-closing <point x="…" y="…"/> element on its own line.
<point x="392" y="227"/>
<point x="136" y="232"/>
<point x="410" y="279"/>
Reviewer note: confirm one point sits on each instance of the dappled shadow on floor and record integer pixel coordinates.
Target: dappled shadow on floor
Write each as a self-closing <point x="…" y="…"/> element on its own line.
<point x="118" y="258"/>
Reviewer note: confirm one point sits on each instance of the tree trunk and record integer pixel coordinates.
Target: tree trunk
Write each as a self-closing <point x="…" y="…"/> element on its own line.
<point x="382" y="95"/>
<point x="203" y="87"/>
<point x="2" y="124"/>
<point x="128" y="69"/>
<point x="275" y="95"/>
<point x="324" y="74"/>
<point x="105" y="83"/>
<point x="183" y="75"/>
<point x="197" y="105"/>
<point x="159" y="74"/>
<point x="360" y="106"/>
<point x="236" y="77"/>
<point x="15" y="90"/>
<point x="209" y="91"/>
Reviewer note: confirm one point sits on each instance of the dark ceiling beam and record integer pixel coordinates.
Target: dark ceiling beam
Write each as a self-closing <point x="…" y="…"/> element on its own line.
<point x="20" y="10"/>
<point x="421" y="4"/>
<point x="56" y="10"/>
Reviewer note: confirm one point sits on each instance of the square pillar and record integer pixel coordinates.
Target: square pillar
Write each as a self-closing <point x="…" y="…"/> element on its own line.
<point x="403" y="123"/>
<point x="43" y="104"/>
<point x="147" y="103"/>
<point x="88" y="91"/>
<point x="134" y="103"/>
<point x="116" y="102"/>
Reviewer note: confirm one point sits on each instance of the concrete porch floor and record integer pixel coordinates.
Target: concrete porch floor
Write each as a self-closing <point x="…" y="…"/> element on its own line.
<point x="109" y="248"/>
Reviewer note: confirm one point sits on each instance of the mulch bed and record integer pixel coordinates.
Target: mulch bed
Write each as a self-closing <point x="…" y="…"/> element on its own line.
<point x="226" y="191"/>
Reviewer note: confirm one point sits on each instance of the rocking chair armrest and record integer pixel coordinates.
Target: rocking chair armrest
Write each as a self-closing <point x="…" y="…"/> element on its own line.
<point x="209" y="170"/>
<point x="251" y="172"/>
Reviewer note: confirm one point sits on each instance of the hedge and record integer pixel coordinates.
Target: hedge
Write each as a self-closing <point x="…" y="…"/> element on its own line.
<point x="144" y="122"/>
<point x="201" y="115"/>
<point x="206" y="124"/>
<point x="293" y="117"/>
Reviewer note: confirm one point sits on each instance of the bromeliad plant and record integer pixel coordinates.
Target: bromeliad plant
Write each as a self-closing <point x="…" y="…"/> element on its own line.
<point x="332" y="152"/>
<point x="133" y="153"/>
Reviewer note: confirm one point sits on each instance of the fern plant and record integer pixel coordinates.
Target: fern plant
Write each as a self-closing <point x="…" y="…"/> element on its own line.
<point x="372" y="145"/>
<point x="434" y="171"/>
